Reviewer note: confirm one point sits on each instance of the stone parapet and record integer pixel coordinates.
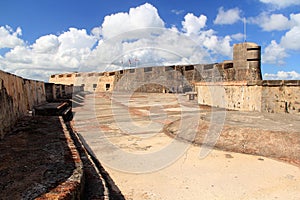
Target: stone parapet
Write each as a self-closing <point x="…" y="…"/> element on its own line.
<point x="73" y="187"/>
<point x="242" y="134"/>
<point x="19" y="96"/>
<point x="40" y="161"/>
<point x="275" y="96"/>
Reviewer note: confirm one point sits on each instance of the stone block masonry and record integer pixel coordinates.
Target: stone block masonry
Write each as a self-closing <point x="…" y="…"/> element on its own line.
<point x="18" y="96"/>
<point x="239" y="82"/>
<point x="278" y="96"/>
<point x="174" y="78"/>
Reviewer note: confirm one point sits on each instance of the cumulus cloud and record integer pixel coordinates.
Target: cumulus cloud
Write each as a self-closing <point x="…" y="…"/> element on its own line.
<point x="60" y="53"/>
<point x="281" y="3"/>
<point x="139" y="35"/>
<point x="291" y="39"/>
<point x="10" y="38"/>
<point x="144" y="16"/>
<point x="20" y="54"/>
<point x="218" y="45"/>
<point x="170" y="46"/>
<point x="273" y="22"/>
<point x="282" y="75"/>
<point x="46" y="44"/>
<point x="274" y="54"/>
<point x="76" y="39"/>
<point x="230" y="16"/>
<point x="295" y="19"/>
<point x="193" y="24"/>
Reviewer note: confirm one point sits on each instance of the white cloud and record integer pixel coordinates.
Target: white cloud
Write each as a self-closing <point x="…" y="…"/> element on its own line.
<point x="281" y="3"/>
<point x="97" y="32"/>
<point x="295" y="19"/>
<point x="63" y="53"/>
<point x="20" y="54"/>
<point x="76" y="39"/>
<point x="282" y="75"/>
<point x="238" y="36"/>
<point x="218" y="45"/>
<point x="274" y="54"/>
<point x="170" y="46"/>
<point x="144" y="16"/>
<point x="193" y="24"/>
<point x="230" y="16"/>
<point x="46" y="44"/>
<point x="9" y="38"/>
<point x="139" y="33"/>
<point x="291" y="39"/>
<point x="273" y="22"/>
<point x="177" y="12"/>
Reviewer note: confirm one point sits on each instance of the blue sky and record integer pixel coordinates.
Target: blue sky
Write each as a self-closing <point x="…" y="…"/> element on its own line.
<point x="39" y="38"/>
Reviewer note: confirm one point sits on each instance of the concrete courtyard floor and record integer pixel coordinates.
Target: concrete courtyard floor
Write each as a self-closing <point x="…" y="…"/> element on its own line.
<point x="127" y="134"/>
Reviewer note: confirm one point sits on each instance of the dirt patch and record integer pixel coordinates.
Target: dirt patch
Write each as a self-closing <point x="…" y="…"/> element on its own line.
<point x="34" y="158"/>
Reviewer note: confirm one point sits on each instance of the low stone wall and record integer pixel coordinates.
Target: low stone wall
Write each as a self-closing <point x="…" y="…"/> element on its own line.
<point x="18" y="96"/>
<point x="73" y="187"/>
<point x="282" y="96"/>
<point x="280" y="145"/>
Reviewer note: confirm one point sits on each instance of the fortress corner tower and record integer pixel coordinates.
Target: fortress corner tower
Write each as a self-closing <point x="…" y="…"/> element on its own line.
<point x="247" y="61"/>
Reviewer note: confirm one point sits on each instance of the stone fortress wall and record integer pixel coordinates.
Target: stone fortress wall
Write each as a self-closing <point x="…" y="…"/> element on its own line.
<point x="240" y="79"/>
<point x="281" y="96"/>
<point x="18" y="97"/>
<point x="176" y="78"/>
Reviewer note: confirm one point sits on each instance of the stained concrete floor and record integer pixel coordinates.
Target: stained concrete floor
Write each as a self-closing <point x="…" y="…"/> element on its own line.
<point x="126" y="134"/>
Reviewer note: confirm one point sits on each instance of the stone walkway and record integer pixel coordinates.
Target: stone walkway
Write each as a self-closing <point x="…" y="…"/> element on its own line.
<point x="126" y="134"/>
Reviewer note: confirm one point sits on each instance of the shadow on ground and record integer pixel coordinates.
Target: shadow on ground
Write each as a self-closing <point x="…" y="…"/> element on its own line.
<point x="35" y="158"/>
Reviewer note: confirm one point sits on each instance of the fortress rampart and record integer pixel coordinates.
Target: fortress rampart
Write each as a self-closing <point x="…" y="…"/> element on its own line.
<point x="240" y="78"/>
<point x="18" y="97"/>
<point x="175" y="78"/>
<point x="271" y="96"/>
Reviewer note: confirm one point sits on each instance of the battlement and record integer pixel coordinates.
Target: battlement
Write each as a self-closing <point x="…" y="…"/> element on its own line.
<point x="244" y="67"/>
<point x="240" y="79"/>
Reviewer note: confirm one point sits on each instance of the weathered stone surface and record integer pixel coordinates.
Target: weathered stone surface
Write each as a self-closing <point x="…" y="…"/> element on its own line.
<point x="18" y="96"/>
<point x="175" y="78"/>
<point x="269" y="135"/>
<point x="281" y="97"/>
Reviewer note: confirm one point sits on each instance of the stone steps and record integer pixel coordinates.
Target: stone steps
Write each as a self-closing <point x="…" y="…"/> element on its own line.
<point x="62" y="108"/>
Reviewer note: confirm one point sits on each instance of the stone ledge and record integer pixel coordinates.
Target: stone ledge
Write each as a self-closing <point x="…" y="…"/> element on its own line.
<point x="225" y="83"/>
<point x="72" y="188"/>
<point x="269" y="83"/>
